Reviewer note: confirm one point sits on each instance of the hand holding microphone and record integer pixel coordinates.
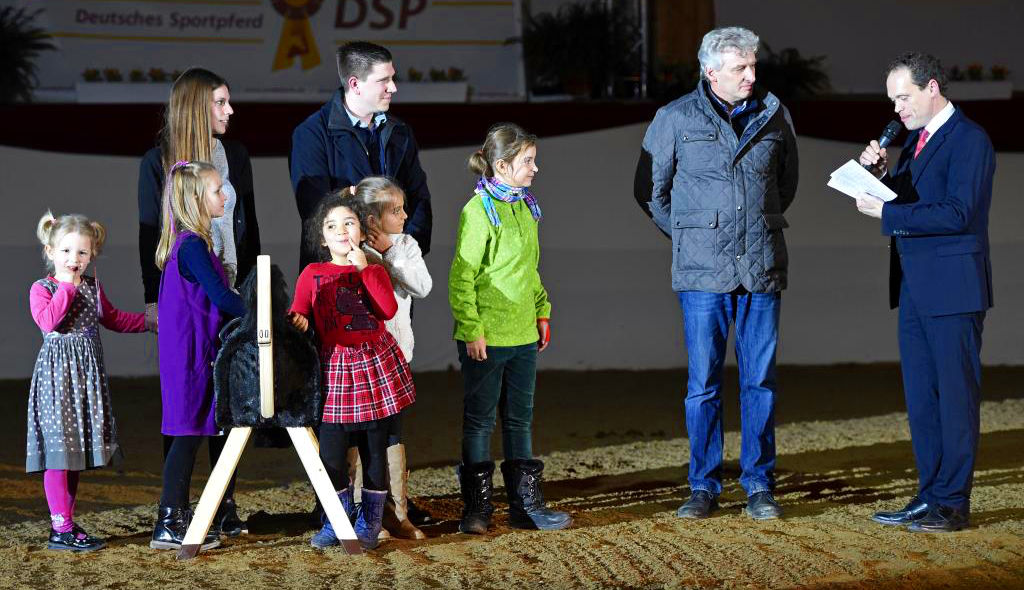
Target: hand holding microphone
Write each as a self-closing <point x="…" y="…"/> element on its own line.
<point x="874" y="157"/>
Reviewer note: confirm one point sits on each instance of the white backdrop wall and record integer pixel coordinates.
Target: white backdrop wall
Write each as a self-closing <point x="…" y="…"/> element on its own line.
<point x="602" y="260"/>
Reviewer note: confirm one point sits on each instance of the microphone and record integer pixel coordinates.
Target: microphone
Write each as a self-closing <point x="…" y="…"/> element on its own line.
<point x="888" y="134"/>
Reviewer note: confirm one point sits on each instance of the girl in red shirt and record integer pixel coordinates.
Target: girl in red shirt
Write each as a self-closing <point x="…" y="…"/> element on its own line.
<point x="365" y="377"/>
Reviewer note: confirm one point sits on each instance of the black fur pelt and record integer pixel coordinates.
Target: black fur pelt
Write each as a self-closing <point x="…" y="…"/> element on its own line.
<point x="296" y="366"/>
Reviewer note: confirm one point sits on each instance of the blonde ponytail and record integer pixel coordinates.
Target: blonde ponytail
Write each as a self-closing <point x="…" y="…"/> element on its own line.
<point x="45" y="227"/>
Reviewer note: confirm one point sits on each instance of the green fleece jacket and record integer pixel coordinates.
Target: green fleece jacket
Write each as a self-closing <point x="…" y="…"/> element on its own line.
<point x="494" y="288"/>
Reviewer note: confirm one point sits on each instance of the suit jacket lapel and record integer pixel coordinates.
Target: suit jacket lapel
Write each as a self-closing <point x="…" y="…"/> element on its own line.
<point x="907" y="153"/>
<point x="918" y="164"/>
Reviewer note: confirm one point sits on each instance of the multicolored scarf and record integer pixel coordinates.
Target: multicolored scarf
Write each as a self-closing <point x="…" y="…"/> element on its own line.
<point x="492" y="188"/>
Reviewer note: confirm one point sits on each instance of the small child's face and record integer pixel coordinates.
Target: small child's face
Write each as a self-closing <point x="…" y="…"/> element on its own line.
<point x="522" y="169"/>
<point x="341" y="233"/>
<point x="214" y="194"/>
<point x="392" y="221"/>
<point x="70" y="256"/>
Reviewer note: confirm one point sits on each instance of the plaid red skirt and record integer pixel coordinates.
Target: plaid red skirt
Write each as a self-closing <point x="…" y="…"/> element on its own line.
<point x="366" y="382"/>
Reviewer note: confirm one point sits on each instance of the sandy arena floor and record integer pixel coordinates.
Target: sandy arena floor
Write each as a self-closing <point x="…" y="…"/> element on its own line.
<point x="615" y="449"/>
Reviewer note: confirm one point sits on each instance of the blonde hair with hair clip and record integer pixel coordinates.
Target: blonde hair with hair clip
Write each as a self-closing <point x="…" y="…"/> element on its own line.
<point x="188" y="131"/>
<point x="185" y="208"/>
<point x="51" y="229"/>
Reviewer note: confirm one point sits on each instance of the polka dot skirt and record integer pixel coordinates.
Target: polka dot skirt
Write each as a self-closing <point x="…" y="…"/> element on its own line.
<point x="70" y="420"/>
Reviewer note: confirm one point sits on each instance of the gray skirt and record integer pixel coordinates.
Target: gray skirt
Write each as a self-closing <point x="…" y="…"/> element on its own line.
<point x="70" y="417"/>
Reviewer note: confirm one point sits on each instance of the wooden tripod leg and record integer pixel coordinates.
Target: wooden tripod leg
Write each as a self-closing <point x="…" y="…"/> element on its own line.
<point x="309" y="451"/>
<point x="213" y="493"/>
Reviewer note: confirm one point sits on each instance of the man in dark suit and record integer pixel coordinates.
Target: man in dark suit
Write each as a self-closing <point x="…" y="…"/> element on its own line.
<point x="941" y="280"/>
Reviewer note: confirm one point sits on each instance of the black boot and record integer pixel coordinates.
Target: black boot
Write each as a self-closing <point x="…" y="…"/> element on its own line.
<point x="226" y="520"/>
<point x="477" y="488"/>
<point x="418" y="516"/>
<point x="171" y="525"/>
<point x="526" y="509"/>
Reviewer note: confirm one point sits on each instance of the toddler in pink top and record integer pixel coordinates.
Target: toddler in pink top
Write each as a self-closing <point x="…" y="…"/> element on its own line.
<point x="70" y="423"/>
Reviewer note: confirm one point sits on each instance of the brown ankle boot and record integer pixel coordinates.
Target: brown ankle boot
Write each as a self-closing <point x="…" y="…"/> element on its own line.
<point x="396" y="516"/>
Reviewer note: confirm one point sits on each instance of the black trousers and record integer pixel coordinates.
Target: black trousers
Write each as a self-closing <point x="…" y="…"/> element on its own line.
<point x="179" y="461"/>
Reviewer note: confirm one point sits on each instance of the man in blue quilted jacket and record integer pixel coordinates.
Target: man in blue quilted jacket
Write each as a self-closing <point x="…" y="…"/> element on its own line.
<point x="717" y="171"/>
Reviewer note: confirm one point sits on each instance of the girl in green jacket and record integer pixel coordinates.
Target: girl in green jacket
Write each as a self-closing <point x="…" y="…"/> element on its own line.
<point x="501" y="315"/>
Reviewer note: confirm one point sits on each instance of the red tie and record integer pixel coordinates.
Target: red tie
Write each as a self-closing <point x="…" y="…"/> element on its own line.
<point x="921" y="140"/>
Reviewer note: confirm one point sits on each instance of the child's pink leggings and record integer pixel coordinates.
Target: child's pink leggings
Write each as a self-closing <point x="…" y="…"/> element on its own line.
<point x="61" y="486"/>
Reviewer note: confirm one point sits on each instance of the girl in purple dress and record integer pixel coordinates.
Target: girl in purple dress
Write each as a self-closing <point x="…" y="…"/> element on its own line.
<point x="193" y="301"/>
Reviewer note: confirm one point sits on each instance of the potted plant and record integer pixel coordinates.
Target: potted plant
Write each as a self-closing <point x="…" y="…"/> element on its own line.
<point x="108" y="85"/>
<point x="789" y="75"/>
<point x="583" y="49"/>
<point x="971" y="84"/>
<point x="20" y="43"/>
<point x="437" y="85"/>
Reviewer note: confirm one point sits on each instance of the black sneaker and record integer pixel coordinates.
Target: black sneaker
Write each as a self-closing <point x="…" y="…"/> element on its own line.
<point x="700" y="505"/>
<point x="75" y="540"/>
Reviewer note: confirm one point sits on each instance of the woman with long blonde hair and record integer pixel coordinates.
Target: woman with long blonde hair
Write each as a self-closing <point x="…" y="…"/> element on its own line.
<point x="197" y="114"/>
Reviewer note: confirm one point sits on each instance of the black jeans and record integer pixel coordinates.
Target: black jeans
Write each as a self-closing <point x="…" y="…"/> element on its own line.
<point x="503" y="382"/>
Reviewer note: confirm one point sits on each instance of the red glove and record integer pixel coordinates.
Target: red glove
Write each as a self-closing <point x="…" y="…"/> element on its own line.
<point x="544" y="331"/>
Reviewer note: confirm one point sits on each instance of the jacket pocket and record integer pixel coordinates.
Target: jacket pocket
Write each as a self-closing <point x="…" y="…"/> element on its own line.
<point x="699" y="150"/>
<point x="695" y="238"/>
<point x="970" y="247"/>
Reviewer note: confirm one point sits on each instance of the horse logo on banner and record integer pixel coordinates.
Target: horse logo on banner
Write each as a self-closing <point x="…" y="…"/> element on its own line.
<point x="296" y="34"/>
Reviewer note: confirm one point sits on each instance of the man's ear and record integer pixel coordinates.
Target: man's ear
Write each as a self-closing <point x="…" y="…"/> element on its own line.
<point x="352" y="83"/>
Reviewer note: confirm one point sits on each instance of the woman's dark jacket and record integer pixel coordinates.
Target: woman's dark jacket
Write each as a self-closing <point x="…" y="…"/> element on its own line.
<point x="151" y="186"/>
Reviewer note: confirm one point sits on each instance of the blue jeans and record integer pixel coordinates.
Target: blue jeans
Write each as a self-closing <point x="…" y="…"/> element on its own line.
<point x="706" y="319"/>
<point x="504" y="381"/>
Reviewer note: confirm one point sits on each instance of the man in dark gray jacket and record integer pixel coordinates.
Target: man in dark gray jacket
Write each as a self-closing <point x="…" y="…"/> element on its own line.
<point x="717" y="171"/>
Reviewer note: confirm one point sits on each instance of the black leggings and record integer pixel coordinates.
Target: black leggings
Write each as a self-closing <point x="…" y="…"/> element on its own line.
<point x="373" y="449"/>
<point x="179" y="461"/>
<point x="394" y="430"/>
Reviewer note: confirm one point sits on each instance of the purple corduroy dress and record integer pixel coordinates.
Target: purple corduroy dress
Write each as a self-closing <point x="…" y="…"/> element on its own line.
<point x="189" y="323"/>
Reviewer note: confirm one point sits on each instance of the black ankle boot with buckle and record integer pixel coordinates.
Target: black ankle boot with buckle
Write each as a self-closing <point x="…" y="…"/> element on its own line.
<point x="171" y="526"/>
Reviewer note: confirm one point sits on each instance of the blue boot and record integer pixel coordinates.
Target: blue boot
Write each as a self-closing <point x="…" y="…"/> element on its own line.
<point x="326" y="537"/>
<point x="371" y="512"/>
<point x="526" y="509"/>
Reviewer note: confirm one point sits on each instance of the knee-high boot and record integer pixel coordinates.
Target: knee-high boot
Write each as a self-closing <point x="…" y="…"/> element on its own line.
<point x="396" y="516"/>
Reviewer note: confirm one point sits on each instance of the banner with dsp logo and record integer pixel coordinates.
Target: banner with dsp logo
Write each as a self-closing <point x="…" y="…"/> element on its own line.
<point x="276" y="50"/>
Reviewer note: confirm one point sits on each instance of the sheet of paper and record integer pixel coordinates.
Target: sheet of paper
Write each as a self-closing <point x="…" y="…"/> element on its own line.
<point x="852" y="179"/>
